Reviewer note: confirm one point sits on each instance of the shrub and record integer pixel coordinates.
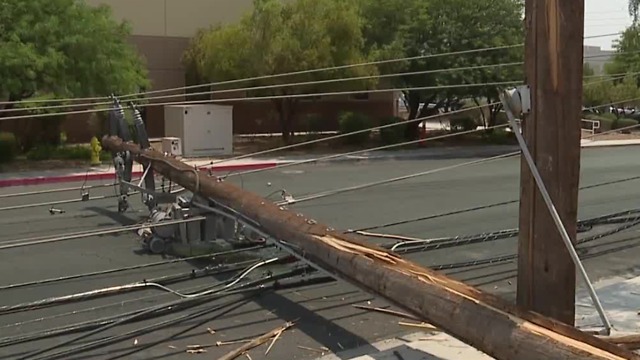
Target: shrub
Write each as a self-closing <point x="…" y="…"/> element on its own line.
<point x="623" y="123"/>
<point x="41" y="152"/>
<point x="500" y="137"/>
<point x="48" y="152"/>
<point x="73" y="153"/>
<point x="394" y="134"/>
<point x="105" y="156"/>
<point x="462" y="124"/>
<point x="313" y="123"/>
<point x="606" y="120"/>
<point x="351" y="122"/>
<point x="8" y="147"/>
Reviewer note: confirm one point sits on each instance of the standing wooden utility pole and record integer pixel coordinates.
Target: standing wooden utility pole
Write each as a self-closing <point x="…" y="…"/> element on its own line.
<point x="553" y="61"/>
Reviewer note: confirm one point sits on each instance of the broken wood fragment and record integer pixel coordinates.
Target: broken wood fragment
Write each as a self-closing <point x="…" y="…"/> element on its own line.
<point x="420" y="325"/>
<point x="630" y="342"/>
<point x="387" y="311"/>
<point x="275" y="338"/>
<point x="255" y="342"/>
<point x="320" y="351"/>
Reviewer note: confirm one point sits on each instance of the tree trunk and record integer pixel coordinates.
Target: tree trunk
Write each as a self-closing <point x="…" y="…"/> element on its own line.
<point x="285" y="109"/>
<point x="485" y="123"/>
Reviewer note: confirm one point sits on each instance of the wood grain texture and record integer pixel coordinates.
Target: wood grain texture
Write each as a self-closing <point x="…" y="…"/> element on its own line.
<point x="553" y="61"/>
<point x="481" y="320"/>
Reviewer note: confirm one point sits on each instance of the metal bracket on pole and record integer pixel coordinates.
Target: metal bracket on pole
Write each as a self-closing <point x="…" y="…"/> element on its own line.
<point x="148" y="176"/>
<point x="518" y="101"/>
<point x="123" y="161"/>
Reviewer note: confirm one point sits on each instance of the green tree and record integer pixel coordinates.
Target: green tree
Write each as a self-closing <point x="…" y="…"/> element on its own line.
<point x="587" y="70"/>
<point x="634" y="9"/>
<point x="62" y="49"/>
<point x="280" y="37"/>
<point x="433" y="27"/>
<point x="627" y="52"/>
<point x="65" y="48"/>
<point x="597" y="92"/>
<point x="625" y="92"/>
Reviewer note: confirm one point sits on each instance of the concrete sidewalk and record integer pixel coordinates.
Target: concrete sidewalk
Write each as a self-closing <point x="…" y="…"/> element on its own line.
<point x="416" y="346"/>
<point x="620" y="298"/>
<point x="221" y="165"/>
<point x="106" y="172"/>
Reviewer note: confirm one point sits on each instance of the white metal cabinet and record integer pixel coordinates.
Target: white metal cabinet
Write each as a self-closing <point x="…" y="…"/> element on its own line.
<point x="205" y="130"/>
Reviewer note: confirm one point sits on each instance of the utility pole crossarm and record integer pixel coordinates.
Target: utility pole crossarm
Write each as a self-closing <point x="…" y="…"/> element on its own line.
<point x="506" y="333"/>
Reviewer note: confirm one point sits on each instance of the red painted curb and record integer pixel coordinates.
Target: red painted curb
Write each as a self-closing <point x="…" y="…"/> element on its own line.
<point x="43" y="180"/>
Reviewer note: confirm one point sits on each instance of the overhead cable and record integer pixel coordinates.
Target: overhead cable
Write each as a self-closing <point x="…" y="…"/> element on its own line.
<point x="300" y="72"/>
<point x="274" y="97"/>
<point x="133" y="267"/>
<point x="474" y="208"/>
<point x="295" y="84"/>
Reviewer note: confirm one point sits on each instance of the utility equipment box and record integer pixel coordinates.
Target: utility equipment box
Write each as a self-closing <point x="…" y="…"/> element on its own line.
<point x="205" y="130"/>
<point x="172" y="146"/>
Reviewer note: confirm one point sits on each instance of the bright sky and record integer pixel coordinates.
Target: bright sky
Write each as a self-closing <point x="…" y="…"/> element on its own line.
<point x="604" y="17"/>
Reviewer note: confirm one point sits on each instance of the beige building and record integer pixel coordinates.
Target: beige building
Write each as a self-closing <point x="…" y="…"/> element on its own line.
<point x="162" y="28"/>
<point x="597" y="58"/>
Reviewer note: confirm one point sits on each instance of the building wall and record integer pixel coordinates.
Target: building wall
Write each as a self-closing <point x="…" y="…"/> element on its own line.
<point x="175" y="18"/>
<point x="597" y="63"/>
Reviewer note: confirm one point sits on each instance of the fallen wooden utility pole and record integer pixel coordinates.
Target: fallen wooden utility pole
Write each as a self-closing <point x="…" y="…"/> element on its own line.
<point x="481" y="320"/>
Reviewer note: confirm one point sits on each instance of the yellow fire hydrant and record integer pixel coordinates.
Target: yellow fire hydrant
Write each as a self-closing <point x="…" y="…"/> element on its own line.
<point x="95" y="151"/>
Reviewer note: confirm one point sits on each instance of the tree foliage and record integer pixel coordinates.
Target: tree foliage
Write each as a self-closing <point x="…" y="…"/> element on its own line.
<point x="64" y="48"/>
<point x="280" y="37"/>
<point x="634" y="9"/>
<point x="422" y="27"/>
<point x="627" y="52"/>
<point x="622" y="92"/>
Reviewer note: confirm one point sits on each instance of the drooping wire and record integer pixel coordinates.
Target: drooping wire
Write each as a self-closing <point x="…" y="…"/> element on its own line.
<point x="294" y="84"/>
<point x="273" y="97"/>
<point x="299" y="72"/>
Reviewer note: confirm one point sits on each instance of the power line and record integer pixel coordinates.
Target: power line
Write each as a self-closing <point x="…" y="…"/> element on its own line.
<point x="274" y="86"/>
<point x="300" y="72"/>
<point x="419" y="174"/>
<point x="392" y="180"/>
<point x="275" y="97"/>
<point x="134" y="267"/>
<point x="310" y="71"/>
<point x="475" y="208"/>
<point x="384" y="147"/>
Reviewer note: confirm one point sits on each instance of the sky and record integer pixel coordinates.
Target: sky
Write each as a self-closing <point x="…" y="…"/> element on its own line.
<point x="604" y="17"/>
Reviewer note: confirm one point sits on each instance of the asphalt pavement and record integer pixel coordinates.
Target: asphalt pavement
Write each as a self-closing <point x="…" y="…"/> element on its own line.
<point x="324" y="313"/>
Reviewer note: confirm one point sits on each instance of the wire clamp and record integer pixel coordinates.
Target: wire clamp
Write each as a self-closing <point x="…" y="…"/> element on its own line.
<point x="518" y="99"/>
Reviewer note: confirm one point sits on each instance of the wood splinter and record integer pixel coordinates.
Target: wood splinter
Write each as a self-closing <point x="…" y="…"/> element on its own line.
<point x="256" y="342"/>
<point x="387" y="311"/>
<point x="629" y="342"/>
